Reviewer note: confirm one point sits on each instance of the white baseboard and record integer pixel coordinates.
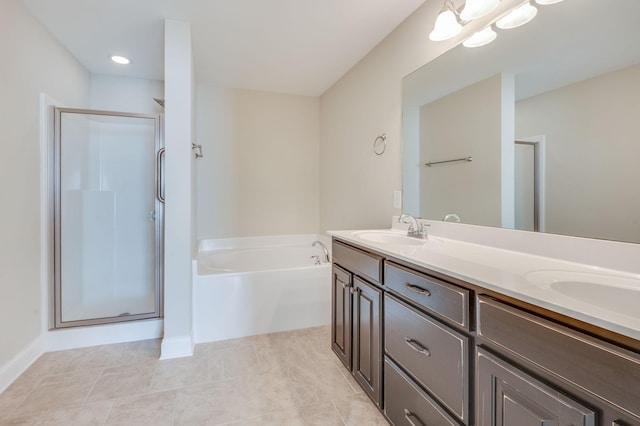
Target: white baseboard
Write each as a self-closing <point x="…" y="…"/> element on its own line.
<point x="176" y="347"/>
<point x="79" y="337"/>
<point x="19" y="364"/>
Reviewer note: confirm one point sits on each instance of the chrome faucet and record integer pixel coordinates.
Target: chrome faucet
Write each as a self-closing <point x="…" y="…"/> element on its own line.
<point x="452" y="217"/>
<point x="416" y="229"/>
<point x="327" y="258"/>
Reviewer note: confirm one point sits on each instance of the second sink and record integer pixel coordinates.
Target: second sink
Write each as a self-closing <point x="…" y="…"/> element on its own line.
<point x="611" y="292"/>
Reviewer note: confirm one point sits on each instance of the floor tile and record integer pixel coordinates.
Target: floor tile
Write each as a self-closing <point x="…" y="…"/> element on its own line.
<point x="84" y="374"/>
<point x="93" y="414"/>
<point x="288" y="378"/>
<point x="104" y="356"/>
<point x="8" y="403"/>
<point x="237" y="363"/>
<point x="263" y="393"/>
<point x="208" y="404"/>
<point x="113" y="386"/>
<point x="319" y="414"/>
<point x="359" y="410"/>
<point x="149" y="409"/>
<point x="56" y="395"/>
<point x="318" y="384"/>
<point x="180" y="372"/>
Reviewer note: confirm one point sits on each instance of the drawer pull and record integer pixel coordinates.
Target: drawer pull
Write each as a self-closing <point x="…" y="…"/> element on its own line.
<point x="412" y="418"/>
<point x="417" y="346"/>
<point x="418" y="289"/>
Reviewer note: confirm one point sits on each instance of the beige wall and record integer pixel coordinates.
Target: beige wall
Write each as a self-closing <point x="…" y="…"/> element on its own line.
<point x="356" y="187"/>
<point x="260" y="171"/>
<point x="465" y="123"/>
<point x="591" y="165"/>
<point x="33" y="63"/>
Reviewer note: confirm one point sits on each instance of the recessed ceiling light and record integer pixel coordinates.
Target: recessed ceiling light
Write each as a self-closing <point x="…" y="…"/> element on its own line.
<point x="120" y="60"/>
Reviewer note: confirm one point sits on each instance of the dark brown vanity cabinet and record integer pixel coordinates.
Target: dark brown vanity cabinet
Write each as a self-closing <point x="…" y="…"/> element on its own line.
<point x="531" y="370"/>
<point x="435" y="356"/>
<point x="356" y="331"/>
<point x="427" y="344"/>
<point x="341" y="314"/>
<point x="509" y="396"/>
<point x="366" y="329"/>
<point x="434" y="351"/>
<point x="407" y="404"/>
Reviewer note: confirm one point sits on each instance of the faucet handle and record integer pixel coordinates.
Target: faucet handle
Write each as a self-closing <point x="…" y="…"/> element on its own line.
<point x="423" y="230"/>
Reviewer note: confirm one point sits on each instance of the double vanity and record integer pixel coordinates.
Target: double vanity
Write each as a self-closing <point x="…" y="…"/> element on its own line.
<point x="442" y="332"/>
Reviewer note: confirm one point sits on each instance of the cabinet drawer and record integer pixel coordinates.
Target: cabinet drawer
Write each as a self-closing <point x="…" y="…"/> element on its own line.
<point x="607" y="371"/>
<point x="365" y="264"/>
<point x="443" y="299"/>
<point x="406" y="404"/>
<point x="432" y="353"/>
<point x="509" y="396"/>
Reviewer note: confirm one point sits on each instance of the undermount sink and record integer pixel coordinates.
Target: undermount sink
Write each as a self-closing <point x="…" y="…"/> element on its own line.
<point x="611" y="292"/>
<point x="390" y="237"/>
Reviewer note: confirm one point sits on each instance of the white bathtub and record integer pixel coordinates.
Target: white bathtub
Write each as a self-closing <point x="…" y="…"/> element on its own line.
<point x="256" y="285"/>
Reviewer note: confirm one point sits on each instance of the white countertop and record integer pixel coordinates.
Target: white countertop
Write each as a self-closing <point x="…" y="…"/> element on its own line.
<point x="603" y="297"/>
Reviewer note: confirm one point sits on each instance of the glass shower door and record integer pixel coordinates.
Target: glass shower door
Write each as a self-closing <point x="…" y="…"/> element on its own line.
<point x="108" y="229"/>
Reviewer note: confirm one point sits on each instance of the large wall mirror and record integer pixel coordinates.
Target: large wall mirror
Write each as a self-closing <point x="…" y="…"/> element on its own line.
<point x="543" y="125"/>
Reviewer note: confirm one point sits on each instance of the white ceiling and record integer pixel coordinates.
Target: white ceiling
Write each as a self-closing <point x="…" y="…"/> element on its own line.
<point x="288" y="46"/>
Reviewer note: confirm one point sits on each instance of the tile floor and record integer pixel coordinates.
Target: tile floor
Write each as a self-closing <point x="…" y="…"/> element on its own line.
<point x="290" y="378"/>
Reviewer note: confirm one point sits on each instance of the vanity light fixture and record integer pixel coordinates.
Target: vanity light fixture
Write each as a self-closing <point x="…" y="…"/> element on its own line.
<point x="481" y="38"/>
<point x="120" y="60"/>
<point x="517" y="17"/>
<point x="450" y="22"/>
<point x="447" y="25"/>
<point x="474" y="9"/>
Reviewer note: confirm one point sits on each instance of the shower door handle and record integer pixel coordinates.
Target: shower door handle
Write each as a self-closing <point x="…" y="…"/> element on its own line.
<point x="160" y="175"/>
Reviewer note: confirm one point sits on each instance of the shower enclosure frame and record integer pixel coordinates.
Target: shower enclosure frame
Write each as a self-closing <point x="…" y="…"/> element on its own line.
<point x="55" y="293"/>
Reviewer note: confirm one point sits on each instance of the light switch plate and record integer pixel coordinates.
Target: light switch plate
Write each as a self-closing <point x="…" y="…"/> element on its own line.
<point x="397" y="199"/>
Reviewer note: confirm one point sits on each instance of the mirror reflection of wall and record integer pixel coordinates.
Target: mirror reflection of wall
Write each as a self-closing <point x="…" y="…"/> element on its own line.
<point x="591" y="129"/>
<point x="466" y="123"/>
<point x="577" y="88"/>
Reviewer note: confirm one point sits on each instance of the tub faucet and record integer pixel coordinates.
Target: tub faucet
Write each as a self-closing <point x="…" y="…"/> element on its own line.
<point x="416" y="229"/>
<point x="327" y="258"/>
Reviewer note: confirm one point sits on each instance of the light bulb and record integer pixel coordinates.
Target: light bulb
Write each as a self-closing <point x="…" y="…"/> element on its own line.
<point x="446" y="26"/>
<point x="474" y="9"/>
<point x="517" y="17"/>
<point x="480" y="38"/>
<point x="120" y="60"/>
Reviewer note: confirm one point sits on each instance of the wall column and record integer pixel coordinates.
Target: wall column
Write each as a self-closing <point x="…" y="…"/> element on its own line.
<point x="178" y="63"/>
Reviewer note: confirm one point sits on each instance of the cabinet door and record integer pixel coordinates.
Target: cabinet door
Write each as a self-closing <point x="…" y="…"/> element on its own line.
<point x="367" y="349"/>
<point x="510" y="397"/>
<point x="341" y="314"/>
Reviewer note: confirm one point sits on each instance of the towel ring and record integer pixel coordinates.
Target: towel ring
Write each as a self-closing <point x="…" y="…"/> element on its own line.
<point x="380" y="144"/>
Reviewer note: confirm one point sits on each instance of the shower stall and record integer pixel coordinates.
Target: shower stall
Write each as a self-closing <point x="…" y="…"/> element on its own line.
<point x="108" y="196"/>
